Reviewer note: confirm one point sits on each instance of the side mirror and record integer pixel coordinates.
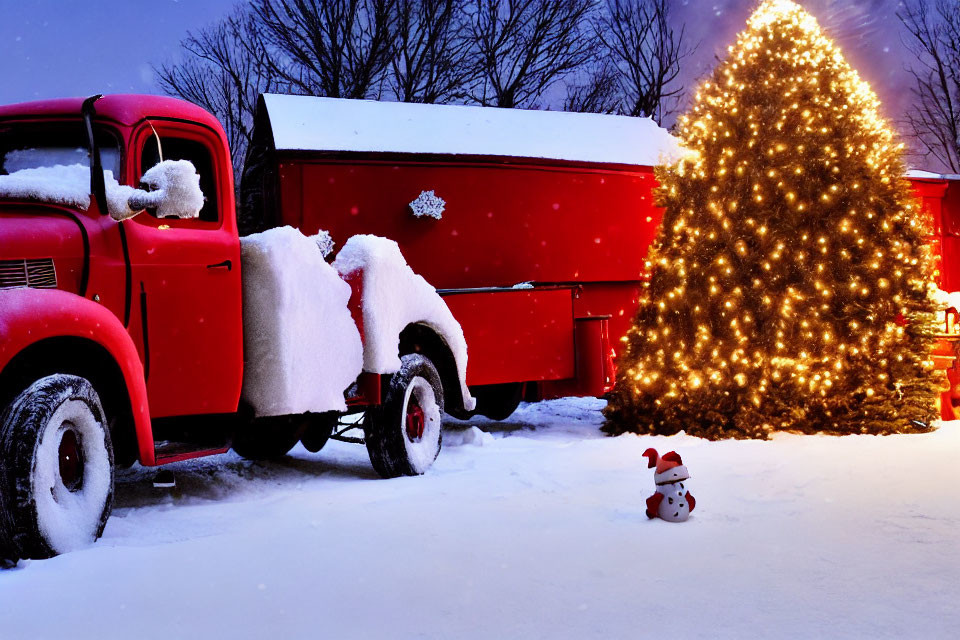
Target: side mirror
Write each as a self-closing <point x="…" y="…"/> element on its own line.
<point x="174" y="193"/>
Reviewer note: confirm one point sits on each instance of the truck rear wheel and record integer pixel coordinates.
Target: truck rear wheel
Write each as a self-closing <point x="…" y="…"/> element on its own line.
<point x="498" y="401"/>
<point x="403" y="434"/>
<point x="318" y="429"/>
<point x="56" y="468"/>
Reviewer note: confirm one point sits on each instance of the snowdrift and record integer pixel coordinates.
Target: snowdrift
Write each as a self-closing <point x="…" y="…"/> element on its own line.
<point x="301" y="346"/>
<point x="394" y="297"/>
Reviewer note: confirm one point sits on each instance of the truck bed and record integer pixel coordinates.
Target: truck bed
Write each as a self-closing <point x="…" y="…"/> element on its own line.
<point x="536" y="344"/>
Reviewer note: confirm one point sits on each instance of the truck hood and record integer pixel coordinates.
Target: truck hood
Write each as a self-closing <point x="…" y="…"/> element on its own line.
<point x="34" y="236"/>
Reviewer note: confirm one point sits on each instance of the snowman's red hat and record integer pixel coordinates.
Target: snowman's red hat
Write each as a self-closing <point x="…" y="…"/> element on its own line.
<point x="670" y="467"/>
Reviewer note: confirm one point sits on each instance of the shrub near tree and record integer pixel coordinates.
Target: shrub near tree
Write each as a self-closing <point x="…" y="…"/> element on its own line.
<point x="789" y="281"/>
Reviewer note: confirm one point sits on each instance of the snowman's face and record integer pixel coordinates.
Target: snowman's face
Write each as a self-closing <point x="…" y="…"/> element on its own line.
<point x="674" y="507"/>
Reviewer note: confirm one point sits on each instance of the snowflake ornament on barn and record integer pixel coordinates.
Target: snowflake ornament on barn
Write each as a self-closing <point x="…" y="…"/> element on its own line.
<point x="428" y="205"/>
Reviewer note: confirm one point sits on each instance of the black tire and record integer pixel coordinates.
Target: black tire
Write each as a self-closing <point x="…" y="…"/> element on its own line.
<point x="393" y="450"/>
<point x="498" y="401"/>
<point x="318" y="429"/>
<point x="267" y="438"/>
<point x="56" y="468"/>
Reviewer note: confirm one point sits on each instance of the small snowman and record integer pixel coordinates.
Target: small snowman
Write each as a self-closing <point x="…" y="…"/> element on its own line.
<point x="672" y="501"/>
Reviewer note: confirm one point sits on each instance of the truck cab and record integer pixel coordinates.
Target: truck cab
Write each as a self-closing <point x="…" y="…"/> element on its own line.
<point x="172" y="284"/>
<point x="107" y="327"/>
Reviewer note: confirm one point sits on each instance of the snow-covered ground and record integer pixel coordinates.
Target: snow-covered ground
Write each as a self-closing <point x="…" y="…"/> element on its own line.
<point x="535" y="529"/>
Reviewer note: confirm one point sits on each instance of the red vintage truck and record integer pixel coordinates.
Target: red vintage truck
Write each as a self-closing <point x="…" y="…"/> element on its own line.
<point x="129" y="339"/>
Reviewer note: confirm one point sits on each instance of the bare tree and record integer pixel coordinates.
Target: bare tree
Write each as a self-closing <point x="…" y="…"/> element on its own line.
<point x="521" y="47"/>
<point x="646" y="50"/>
<point x="224" y="69"/>
<point x="934" y="37"/>
<point x="599" y="94"/>
<point x="335" y="48"/>
<point x="429" y="61"/>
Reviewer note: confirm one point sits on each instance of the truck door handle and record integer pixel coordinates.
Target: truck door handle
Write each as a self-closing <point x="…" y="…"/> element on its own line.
<point x="226" y="264"/>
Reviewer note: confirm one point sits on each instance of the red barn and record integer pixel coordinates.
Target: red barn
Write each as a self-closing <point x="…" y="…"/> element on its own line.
<point x="534" y="225"/>
<point x="940" y="197"/>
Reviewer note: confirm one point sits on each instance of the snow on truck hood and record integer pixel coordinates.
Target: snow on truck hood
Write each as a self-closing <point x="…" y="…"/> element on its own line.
<point x="69" y="185"/>
<point x="307" y="123"/>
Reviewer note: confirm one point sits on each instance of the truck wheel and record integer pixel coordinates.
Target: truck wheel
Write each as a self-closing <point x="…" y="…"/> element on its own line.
<point x="56" y="468"/>
<point x="267" y="438"/>
<point x="403" y="434"/>
<point x="319" y="427"/>
<point x="498" y="401"/>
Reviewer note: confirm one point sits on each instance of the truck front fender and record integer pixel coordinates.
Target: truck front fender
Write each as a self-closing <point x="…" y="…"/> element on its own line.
<point x="29" y="317"/>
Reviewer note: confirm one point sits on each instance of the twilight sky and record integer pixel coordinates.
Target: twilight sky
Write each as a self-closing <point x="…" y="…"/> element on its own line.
<point x="867" y="31"/>
<point x="79" y="47"/>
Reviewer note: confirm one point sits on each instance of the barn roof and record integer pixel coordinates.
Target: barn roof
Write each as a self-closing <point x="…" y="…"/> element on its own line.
<point x="920" y="174"/>
<point x="334" y="124"/>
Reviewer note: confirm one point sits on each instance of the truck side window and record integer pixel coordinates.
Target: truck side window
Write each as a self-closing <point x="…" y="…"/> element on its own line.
<point x="197" y="153"/>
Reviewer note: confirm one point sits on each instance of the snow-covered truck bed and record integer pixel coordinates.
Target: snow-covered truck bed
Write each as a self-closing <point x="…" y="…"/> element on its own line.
<point x="533" y="225"/>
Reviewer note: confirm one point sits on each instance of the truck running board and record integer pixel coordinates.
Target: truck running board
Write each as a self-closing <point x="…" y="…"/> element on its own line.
<point x="166" y="452"/>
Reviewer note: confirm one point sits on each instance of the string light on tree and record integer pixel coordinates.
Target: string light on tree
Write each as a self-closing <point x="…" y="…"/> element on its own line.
<point x="789" y="282"/>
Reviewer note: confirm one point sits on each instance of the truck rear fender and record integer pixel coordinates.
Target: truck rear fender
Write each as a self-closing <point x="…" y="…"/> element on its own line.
<point x="421" y="338"/>
<point x="53" y="331"/>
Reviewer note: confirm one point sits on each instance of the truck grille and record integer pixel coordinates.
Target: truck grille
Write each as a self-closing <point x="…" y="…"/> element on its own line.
<point x="36" y="273"/>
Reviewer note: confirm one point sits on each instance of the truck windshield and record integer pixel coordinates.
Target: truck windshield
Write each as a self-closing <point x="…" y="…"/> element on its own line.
<point x="33" y="146"/>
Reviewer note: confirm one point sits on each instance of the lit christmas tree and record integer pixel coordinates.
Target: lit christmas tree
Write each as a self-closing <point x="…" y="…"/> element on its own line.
<point x="789" y="282"/>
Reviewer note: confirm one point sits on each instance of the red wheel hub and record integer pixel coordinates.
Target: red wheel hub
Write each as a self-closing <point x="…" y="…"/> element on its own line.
<point x="71" y="465"/>
<point x="416" y="420"/>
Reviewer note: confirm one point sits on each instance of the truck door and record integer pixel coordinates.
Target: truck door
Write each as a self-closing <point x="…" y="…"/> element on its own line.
<point x="185" y="280"/>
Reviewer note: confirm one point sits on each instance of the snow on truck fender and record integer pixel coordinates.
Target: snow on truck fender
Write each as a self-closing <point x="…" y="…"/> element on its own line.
<point x="301" y="346"/>
<point x="395" y="297"/>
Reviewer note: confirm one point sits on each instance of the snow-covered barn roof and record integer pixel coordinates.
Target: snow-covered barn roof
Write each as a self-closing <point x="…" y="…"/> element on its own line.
<point x="334" y="124"/>
<point x="919" y="174"/>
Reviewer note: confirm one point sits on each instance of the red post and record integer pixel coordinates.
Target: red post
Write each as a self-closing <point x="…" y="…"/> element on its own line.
<point x="595" y="375"/>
